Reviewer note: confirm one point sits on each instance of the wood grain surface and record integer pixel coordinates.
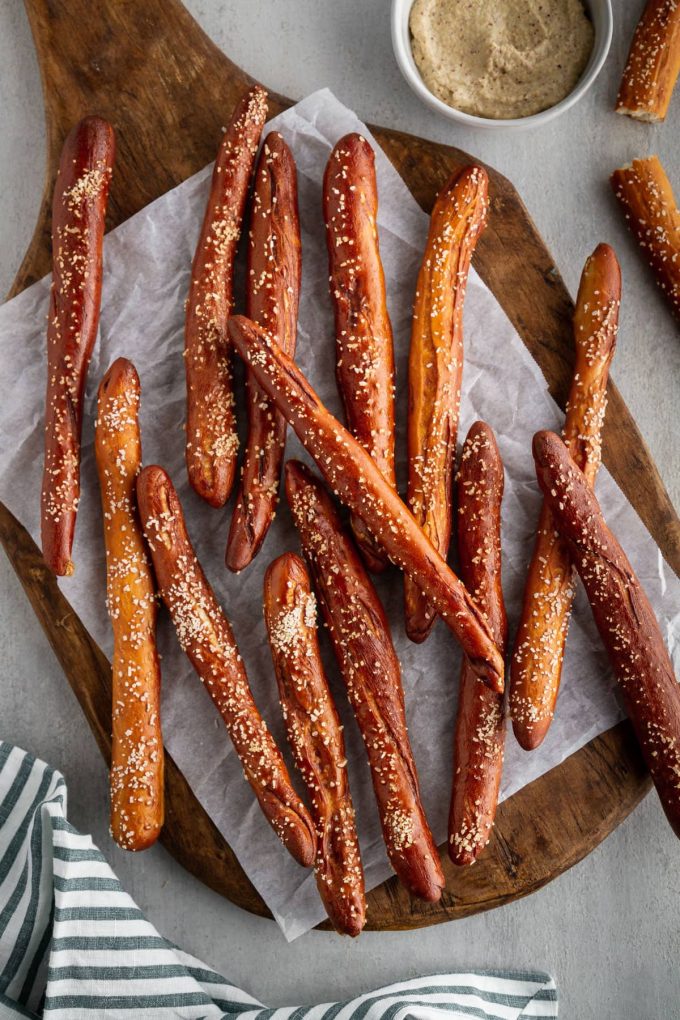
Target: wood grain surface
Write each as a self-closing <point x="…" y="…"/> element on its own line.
<point x="168" y="90"/>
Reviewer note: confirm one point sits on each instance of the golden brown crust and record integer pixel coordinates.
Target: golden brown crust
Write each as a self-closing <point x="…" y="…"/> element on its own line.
<point x="652" y="215"/>
<point x="436" y="368"/>
<point x="624" y="617"/>
<point x="137" y="760"/>
<point x="363" y="332"/>
<point x="480" y="722"/>
<point x="353" y="476"/>
<point x="316" y="740"/>
<point x="204" y="634"/>
<point x="272" y="297"/>
<point x="653" y="63"/>
<point x="78" y="213"/>
<point x="537" y="658"/>
<point x="211" y="439"/>
<point x="369" y="667"/>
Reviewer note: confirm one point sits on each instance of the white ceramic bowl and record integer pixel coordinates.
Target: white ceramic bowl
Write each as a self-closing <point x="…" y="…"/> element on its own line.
<point x="601" y="15"/>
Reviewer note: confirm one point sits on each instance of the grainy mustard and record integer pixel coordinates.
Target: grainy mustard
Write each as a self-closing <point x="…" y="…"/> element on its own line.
<point x="501" y="58"/>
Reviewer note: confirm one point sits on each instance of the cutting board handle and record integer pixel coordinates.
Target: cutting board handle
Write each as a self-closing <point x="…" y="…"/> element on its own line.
<point x="84" y="48"/>
<point x="148" y="63"/>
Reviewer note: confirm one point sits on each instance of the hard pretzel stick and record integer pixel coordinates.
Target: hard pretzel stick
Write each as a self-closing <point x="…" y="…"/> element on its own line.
<point x="370" y="670"/>
<point x="137" y="745"/>
<point x="273" y="293"/>
<point x="652" y="214"/>
<point x="623" y="615"/>
<point x="363" y="332"/>
<point x="653" y="63"/>
<point x="358" y="483"/>
<point x="436" y="369"/>
<point x="549" y="590"/>
<point x="205" y="635"/>
<point x="316" y="740"/>
<point x="78" y="212"/>
<point x="480" y="723"/>
<point x="211" y="439"/>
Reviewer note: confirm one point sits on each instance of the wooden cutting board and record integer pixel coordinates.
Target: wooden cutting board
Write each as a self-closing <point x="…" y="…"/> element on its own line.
<point x="149" y="69"/>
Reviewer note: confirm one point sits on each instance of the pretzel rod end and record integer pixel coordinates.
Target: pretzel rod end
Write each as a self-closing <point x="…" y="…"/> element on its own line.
<point x="653" y="63"/>
<point x="544" y="446"/>
<point x="120" y="373"/>
<point x="650" y="208"/>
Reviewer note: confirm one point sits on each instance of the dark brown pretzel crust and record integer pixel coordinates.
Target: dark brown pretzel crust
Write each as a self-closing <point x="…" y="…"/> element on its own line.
<point x="78" y="214"/>
<point x="370" y="670"/>
<point x="480" y="723"/>
<point x="624" y="617"/>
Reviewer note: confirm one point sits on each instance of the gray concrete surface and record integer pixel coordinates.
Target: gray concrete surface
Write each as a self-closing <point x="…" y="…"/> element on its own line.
<point x="608" y="930"/>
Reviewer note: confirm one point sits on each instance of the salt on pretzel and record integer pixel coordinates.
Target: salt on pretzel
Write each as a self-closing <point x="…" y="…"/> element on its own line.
<point x="364" y="365"/>
<point x="137" y="760"/>
<point x="480" y="721"/>
<point x="538" y="653"/>
<point x="353" y="476"/>
<point x="316" y="740"/>
<point x="272" y="297"/>
<point x="78" y="213"/>
<point x="211" y="438"/>
<point x="435" y="369"/>
<point x="205" y="635"/>
<point x="370" y="671"/>
<point x="651" y="211"/>
<point x="653" y="63"/>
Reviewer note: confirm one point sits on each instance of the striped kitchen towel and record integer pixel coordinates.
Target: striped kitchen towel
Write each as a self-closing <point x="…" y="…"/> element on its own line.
<point x="74" y="945"/>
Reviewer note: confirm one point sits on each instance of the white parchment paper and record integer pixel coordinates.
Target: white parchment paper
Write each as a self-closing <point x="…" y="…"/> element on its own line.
<point x="147" y="263"/>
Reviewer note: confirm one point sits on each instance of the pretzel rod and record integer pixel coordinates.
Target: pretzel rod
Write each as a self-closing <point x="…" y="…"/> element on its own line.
<point x="204" y="634"/>
<point x="538" y="654"/>
<point x="211" y="438"/>
<point x="652" y="214"/>
<point x="363" y="332"/>
<point x="436" y="369"/>
<point x="370" y="670"/>
<point x="653" y="63"/>
<point x="624" y="618"/>
<point x="316" y="740"/>
<point x="273" y="293"/>
<point x="480" y="723"/>
<point x="137" y="760"/>
<point x="358" y="483"/>
<point x="79" y="205"/>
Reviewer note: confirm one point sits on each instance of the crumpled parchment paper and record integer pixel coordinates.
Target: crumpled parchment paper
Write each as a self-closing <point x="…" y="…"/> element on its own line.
<point x="147" y="264"/>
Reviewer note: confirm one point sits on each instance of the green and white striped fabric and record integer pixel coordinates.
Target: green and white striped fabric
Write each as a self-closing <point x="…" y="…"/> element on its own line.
<point x="74" y="945"/>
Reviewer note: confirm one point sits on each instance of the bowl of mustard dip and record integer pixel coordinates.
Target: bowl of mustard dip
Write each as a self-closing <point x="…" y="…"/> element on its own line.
<point x="501" y="63"/>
